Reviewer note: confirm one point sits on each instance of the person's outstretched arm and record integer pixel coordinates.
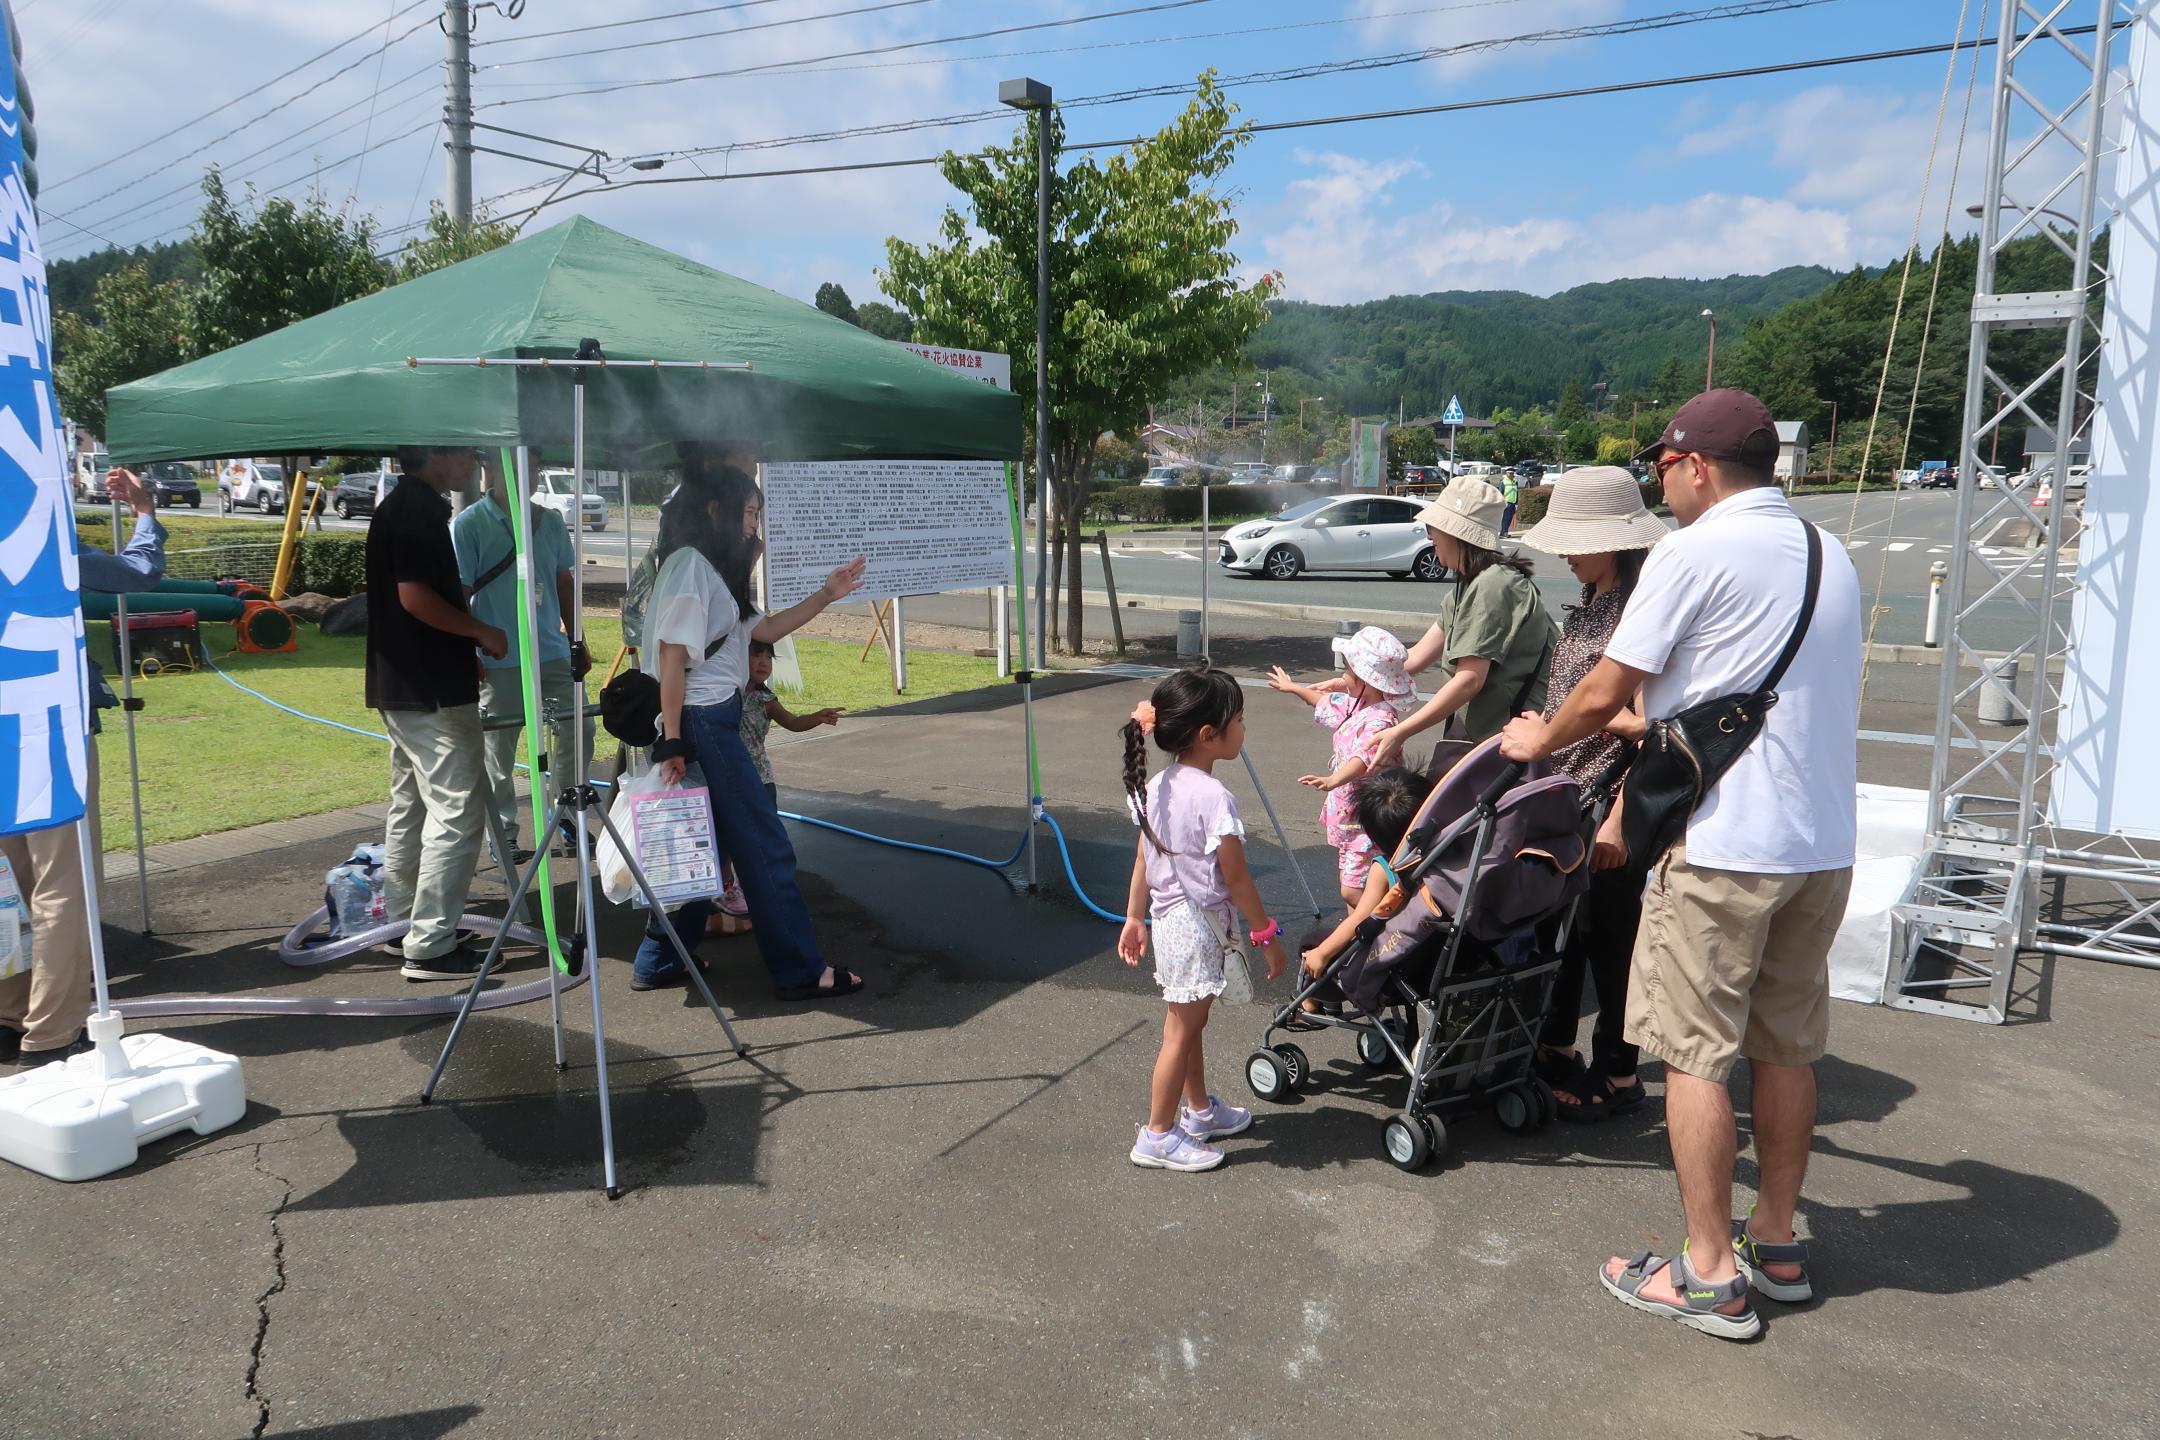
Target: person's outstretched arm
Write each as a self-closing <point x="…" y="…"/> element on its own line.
<point x="141" y="563"/>
<point x="842" y="583"/>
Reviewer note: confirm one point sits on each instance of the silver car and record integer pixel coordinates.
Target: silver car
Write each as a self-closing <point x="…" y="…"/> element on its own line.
<point x="1342" y="532"/>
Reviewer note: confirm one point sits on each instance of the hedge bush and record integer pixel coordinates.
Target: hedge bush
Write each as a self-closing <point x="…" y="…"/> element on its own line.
<point x="332" y="564"/>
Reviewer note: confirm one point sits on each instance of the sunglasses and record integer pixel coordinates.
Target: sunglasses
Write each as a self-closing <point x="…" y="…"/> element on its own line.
<point x="1659" y="467"/>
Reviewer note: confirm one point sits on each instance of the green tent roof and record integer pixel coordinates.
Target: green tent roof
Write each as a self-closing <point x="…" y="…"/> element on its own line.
<point x="818" y="387"/>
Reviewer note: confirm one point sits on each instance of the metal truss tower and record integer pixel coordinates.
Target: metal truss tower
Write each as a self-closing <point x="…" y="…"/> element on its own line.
<point x="1975" y="900"/>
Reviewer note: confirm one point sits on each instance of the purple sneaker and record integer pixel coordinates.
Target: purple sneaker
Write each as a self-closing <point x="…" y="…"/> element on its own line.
<point x="1215" y="1122"/>
<point x="1173" y="1151"/>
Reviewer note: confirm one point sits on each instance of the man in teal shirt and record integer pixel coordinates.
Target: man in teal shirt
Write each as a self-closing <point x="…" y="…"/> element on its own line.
<point x="481" y="536"/>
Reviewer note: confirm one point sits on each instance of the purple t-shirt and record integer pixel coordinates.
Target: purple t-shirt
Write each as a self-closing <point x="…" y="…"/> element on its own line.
<point x="1191" y="812"/>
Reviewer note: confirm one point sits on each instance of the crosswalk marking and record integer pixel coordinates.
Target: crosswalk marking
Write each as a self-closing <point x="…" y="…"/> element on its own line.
<point x="1856" y="544"/>
<point x="1180" y="555"/>
<point x="1896" y="546"/>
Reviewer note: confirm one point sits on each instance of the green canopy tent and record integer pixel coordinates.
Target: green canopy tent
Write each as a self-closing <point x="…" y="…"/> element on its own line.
<point x="340" y="382"/>
<point x="812" y="387"/>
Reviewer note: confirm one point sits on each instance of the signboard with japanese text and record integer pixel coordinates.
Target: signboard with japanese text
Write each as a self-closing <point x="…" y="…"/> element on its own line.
<point x="926" y="525"/>
<point x="985" y="365"/>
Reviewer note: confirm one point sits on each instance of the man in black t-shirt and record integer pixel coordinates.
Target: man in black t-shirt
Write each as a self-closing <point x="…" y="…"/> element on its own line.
<point x="422" y="676"/>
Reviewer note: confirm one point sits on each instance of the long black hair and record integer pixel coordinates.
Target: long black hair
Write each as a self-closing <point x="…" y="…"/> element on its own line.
<point x="1476" y="560"/>
<point x="1627" y="569"/>
<point x="705" y="514"/>
<point x="1185" y="704"/>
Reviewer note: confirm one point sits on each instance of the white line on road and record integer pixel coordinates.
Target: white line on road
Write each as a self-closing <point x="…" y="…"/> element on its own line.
<point x="1856" y="544"/>
<point x="1180" y="555"/>
<point x="1897" y="545"/>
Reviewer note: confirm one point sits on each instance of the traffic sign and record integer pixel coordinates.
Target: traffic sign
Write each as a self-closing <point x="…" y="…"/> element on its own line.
<point x="1453" y="414"/>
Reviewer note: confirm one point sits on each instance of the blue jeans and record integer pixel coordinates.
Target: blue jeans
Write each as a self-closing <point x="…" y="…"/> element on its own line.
<point x="748" y="831"/>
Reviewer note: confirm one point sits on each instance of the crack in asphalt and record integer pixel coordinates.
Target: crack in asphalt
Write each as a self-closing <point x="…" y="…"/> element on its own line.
<point x="262" y="1301"/>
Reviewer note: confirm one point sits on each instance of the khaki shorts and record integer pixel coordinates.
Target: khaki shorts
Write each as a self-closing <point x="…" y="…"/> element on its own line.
<point x="1729" y="963"/>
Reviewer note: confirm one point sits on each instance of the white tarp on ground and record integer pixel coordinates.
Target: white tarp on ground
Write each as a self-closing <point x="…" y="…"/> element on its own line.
<point x="1893" y="831"/>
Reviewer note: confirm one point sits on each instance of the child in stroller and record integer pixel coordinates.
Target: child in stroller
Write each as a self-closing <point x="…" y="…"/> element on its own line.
<point x="1444" y="978"/>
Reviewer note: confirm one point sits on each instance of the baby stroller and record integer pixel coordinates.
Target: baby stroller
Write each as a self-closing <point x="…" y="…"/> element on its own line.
<point x="1447" y="982"/>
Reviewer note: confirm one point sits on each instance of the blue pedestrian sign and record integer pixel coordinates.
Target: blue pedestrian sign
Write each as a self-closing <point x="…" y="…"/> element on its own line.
<point x="1453" y="414"/>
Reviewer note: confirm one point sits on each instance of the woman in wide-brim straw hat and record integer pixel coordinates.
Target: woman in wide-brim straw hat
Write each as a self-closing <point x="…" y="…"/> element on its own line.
<point x="1597" y="523"/>
<point x="1493" y="642"/>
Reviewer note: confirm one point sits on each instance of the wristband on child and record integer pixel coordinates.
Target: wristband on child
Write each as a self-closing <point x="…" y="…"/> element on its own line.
<point x="1267" y="933"/>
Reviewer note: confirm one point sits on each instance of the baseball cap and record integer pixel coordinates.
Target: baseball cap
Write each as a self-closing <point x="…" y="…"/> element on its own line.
<point x="1723" y="425"/>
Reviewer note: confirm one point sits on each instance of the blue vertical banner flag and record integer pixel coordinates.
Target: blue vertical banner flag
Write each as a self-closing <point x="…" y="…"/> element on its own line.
<point x="43" y="729"/>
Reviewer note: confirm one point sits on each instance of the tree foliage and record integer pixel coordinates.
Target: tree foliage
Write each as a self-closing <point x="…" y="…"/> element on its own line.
<point x="71" y="284"/>
<point x="446" y="241"/>
<point x="885" y="322"/>
<point x="145" y="330"/>
<point x="1143" y="286"/>
<point x="286" y="261"/>
<point x="833" y="300"/>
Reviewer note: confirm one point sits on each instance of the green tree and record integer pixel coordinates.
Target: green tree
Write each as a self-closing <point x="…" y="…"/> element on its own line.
<point x="1615" y="450"/>
<point x="833" y="300"/>
<point x="884" y="321"/>
<point x="1143" y="286"/>
<point x="1675" y="383"/>
<point x="1409" y="445"/>
<point x="445" y="241"/>
<point x="1572" y="410"/>
<point x="285" y="262"/>
<point x="144" y="331"/>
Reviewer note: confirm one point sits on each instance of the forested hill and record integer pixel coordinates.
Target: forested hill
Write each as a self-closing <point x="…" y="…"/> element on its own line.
<point x="1502" y="348"/>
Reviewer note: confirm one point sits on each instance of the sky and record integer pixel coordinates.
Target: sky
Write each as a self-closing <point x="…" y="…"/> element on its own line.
<point x="1708" y="179"/>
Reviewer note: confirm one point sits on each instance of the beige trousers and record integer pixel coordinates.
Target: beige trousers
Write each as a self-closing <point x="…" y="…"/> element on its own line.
<point x="50" y="1004"/>
<point x="431" y="843"/>
<point x="500" y="695"/>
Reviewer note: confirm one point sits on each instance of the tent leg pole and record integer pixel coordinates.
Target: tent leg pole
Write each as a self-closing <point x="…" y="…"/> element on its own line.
<point x="127" y="709"/>
<point x="1281" y="835"/>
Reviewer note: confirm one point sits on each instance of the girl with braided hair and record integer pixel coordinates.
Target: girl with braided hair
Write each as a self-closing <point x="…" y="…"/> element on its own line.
<point x="1188" y="873"/>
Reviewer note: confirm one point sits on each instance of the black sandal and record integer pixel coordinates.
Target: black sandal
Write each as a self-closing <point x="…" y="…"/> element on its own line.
<point x="1619" y="1099"/>
<point x="844" y="982"/>
<point x="1568" y="1076"/>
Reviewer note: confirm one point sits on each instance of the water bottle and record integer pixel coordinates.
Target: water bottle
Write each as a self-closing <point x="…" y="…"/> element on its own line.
<point x="14" y="925"/>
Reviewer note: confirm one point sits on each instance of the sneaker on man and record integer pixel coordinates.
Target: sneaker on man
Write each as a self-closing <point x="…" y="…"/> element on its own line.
<point x="1217" y="1122"/>
<point x="459" y="963"/>
<point x="1175" y="1150"/>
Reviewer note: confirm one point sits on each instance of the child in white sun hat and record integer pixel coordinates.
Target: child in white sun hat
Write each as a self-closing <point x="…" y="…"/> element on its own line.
<point x="1376" y="693"/>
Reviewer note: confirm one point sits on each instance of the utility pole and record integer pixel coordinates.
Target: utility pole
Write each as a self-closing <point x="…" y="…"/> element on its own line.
<point x="457" y="107"/>
<point x="1830" y="465"/>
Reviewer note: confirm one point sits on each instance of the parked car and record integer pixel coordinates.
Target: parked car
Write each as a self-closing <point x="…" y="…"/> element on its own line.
<point x="1483" y="469"/>
<point x="174" y="483"/>
<point x="2076" y="483"/>
<point x="1159" y="475"/>
<point x="249" y="485"/>
<point x="1324" y="477"/>
<point x="1337" y="532"/>
<point x="1250" y="473"/>
<point x="1427" y="478"/>
<point x="1293" y="474"/>
<point x="1939" y="479"/>
<point x="1529" y="472"/>
<point x="90" y="468"/>
<point x="360" y="492"/>
<point x="554" y="492"/>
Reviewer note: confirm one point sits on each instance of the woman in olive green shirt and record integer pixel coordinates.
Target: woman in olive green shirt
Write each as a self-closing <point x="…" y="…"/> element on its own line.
<point x="1493" y="640"/>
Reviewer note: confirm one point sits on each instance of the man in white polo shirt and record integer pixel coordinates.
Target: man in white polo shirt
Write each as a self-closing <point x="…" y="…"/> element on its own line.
<point x="1732" y="959"/>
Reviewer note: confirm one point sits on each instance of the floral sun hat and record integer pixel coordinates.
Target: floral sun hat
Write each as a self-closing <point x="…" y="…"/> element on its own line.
<point x="1376" y="657"/>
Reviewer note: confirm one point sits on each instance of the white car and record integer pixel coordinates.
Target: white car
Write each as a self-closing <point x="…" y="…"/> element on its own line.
<point x="1162" y="475"/>
<point x="1339" y="532"/>
<point x="554" y="492"/>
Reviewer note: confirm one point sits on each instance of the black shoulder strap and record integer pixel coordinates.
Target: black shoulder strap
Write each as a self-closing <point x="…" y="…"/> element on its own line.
<point x="501" y="567"/>
<point x="1807" y="609"/>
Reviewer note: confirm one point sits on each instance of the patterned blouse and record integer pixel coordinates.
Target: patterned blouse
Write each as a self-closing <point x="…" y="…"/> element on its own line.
<point x="755" y="722"/>
<point x="1588" y="630"/>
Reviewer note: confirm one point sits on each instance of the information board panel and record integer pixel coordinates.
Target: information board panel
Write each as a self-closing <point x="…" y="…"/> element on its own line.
<point x="926" y="525"/>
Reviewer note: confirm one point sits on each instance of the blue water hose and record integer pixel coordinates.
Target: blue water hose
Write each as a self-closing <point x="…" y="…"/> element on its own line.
<point x="1065" y="853"/>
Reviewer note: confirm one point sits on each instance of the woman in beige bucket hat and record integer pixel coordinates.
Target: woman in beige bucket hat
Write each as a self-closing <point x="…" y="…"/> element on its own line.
<point x="1493" y="641"/>
<point x="1598" y="524"/>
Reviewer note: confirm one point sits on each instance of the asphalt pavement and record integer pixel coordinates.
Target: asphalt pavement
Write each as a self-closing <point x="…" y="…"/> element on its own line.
<point x="910" y="1213"/>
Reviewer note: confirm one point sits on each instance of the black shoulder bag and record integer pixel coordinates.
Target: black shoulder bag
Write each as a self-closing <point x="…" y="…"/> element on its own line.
<point x="630" y="703"/>
<point x="1683" y="758"/>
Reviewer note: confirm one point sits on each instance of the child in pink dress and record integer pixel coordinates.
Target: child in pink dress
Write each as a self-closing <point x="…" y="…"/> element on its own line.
<point x="1376" y="693"/>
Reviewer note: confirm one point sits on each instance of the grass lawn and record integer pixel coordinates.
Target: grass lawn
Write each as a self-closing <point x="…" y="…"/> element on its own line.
<point x="215" y="759"/>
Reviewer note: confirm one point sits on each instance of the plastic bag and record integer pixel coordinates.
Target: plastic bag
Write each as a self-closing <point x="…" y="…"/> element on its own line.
<point x="14" y="925"/>
<point x="353" y="893"/>
<point x="616" y="882"/>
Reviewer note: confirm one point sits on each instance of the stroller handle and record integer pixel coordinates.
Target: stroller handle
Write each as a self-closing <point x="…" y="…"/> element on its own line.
<point x="1502" y="783"/>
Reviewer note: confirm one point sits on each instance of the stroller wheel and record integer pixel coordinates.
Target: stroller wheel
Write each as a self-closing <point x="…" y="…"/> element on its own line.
<point x="1267" y="1075"/>
<point x="1411" y="1140"/>
<point x="1295" y="1064"/>
<point x="1517" y="1109"/>
<point x="1373" y="1050"/>
<point x="1541" y="1095"/>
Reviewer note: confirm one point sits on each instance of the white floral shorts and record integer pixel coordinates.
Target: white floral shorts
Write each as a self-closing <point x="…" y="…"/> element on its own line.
<point x="1189" y="952"/>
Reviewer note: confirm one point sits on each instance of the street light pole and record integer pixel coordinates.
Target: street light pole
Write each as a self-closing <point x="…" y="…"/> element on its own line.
<point x="1710" y="365"/>
<point x="1034" y="96"/>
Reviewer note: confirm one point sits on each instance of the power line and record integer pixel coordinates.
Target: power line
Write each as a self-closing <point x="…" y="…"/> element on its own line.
<point x="705" y="34"/>
<point x="1159" y="6"/>
<point x="805" y="67"/>
<point x="1448" y="107"/>
<point x="215" y="109"/>
<point x="619" y="24"/>
<point x="374" y="96"/>
<point x="1670" y="20"/>
<point x="282" y="104"/>
<point x="283" y="140"/>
